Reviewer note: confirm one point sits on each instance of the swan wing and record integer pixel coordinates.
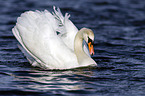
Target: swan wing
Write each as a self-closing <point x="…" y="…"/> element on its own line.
<point x="36" y="32"/>
<point x="67" y="30"/>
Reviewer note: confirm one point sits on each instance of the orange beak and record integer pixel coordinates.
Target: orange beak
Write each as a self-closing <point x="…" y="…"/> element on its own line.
<point x="91" y="48"/>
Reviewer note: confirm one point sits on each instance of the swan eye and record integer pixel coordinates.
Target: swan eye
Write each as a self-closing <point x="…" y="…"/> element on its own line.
<point x="90" y="40"/>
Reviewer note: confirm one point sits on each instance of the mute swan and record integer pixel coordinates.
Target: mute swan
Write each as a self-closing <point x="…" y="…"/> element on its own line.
<point x="52" y="41"/>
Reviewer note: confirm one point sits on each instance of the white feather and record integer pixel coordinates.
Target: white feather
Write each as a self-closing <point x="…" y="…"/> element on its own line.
<point x="36" y="31"/>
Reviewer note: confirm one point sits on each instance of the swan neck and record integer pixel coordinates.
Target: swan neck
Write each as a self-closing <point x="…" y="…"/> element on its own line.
<point x="78" y="47"/>
<point x="78" y="42"/>
<point x="82" y="57"/>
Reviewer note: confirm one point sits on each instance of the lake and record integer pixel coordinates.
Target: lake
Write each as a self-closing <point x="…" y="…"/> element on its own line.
<point x="119" y="27"/>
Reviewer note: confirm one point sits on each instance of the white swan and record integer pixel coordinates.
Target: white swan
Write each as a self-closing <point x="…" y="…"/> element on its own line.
<point x="51" y="41"/>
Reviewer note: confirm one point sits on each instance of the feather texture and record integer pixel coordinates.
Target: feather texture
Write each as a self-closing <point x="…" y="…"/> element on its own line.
<point x="45" y="36"/>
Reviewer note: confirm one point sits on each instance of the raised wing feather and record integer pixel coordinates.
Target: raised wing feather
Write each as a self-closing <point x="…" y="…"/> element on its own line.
<point x="36" y="32"/>
<point x="26" y="32"/>
<point x="67" y="30"/>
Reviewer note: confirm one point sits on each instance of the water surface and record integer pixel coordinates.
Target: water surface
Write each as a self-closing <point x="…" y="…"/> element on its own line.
<point x="119" y="27"/>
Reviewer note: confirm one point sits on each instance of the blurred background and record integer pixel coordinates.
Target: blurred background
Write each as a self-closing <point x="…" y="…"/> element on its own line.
<point x="119" y="27"/>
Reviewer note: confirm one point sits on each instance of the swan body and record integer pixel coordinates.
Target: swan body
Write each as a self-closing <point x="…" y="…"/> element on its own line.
<point x="52" y="41"/>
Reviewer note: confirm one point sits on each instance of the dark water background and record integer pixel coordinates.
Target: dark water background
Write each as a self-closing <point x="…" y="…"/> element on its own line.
<point x="119" y="27"/>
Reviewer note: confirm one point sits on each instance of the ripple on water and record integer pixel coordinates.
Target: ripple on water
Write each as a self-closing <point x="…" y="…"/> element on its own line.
<point x="119" y="47"/>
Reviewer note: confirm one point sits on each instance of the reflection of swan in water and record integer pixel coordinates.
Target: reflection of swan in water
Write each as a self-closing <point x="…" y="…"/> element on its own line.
<point x="51" y="80"/>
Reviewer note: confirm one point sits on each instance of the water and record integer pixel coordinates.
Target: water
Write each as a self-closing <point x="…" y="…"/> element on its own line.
<point x="119" y="27"/>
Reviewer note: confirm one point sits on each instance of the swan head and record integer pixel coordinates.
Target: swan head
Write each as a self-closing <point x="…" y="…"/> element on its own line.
<point x="88" y="36"/>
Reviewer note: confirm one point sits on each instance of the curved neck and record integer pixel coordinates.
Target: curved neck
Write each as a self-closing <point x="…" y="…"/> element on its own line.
<point x="78" y="44"/>
<point x="82" y="57"/>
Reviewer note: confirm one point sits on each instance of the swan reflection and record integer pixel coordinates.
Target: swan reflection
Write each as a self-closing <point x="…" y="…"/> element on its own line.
<point x="51" y="80"/>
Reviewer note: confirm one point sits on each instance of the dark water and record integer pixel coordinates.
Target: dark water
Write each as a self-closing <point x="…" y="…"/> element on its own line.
<point x="119" y="27"/>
